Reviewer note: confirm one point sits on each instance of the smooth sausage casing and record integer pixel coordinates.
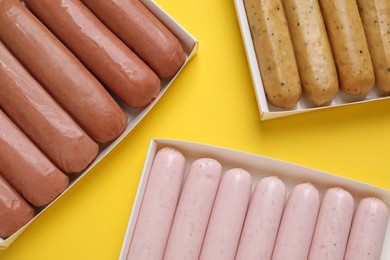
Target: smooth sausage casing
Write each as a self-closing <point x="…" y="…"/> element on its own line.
<point x="316" y="66"/>
<point x="60" y="73"/>
<point x="104" y="54"/>
<point x="228" y="215"/>
<point x="136" y="26"/>
<point x="26" y="168"/>
<point x="333" y="226"/>
<point x="368" y="230"/>
<point x="375" y="16"/>
<point x="194" y="210"/>
<point x="15" y="212"/>
<point x="158" y="206"/>
<point x="262" y="220"/>
<point x="298" y="222"/>
<point x="41" y="118"/>
<point x="274" y="52"/>
<point x="349" y="45"/>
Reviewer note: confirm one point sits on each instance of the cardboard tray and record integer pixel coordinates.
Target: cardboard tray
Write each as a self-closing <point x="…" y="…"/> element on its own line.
<point x="268" y="111"/>
<point x="259" y="167"/>
<point x="190" y="45"/>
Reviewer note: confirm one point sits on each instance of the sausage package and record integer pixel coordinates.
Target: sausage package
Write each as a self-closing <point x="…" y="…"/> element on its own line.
<point x="259" y="168"/>
<point x="134" y="115"/>
<point x="270" y="111"/>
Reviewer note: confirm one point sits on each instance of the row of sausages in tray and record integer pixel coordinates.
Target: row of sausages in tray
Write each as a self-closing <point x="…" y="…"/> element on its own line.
<point x="199" y="210"/>
<point x="67" y="68"/>
<point x="319" y="47"/>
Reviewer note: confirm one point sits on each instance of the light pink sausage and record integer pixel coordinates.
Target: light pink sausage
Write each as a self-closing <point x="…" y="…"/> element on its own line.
<point x="333" y="225"/>
<point x="136" y="26"/>
<point x="228" y="215"/>
<point x="262" y="220"/>
<point x="41" y="118"/>
<point x="158" y="206"/>
<point x="194" y="210"/>
<point x="26" y="168"/>
<point x="298" y="223"/>
<point x="368" y="230"/>
<point x="15" y="212"/>
<point x="74" y="88"/>
<point x="104" y="54"/>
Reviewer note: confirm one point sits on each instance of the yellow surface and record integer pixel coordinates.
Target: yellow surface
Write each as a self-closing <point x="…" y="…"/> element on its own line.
<point x="212" y="101"/>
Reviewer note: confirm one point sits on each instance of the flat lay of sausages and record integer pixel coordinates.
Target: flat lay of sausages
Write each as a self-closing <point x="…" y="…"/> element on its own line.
<point x="316" y="66"/>
<point x="349" y="45"/>
<point x="375" y="16"/>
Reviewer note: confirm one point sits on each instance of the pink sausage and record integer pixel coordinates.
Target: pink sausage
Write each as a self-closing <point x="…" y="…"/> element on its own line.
<point x="333" y="225"/>
<point x="104" y="54"/>
<point x="298" y="223"/>
<point x="228" y="215"/>
<point x="262" y="220"/>
<point x="15" y="212"/>
<point x="368" y="230"/>
<point x="158" y="206"/>
<point x="194" y="210"/>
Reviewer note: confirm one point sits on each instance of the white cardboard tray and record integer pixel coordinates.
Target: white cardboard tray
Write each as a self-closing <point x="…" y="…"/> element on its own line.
<point x="259" y="167"/>
<point x="268" y="111"/>
<point x="190" y="45"/>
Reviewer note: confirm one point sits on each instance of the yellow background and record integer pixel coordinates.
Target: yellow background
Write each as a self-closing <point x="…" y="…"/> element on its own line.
<point x="212" y="101"/>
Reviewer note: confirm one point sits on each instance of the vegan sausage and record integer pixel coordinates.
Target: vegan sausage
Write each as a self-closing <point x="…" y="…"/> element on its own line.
<point x="349" y="45"/>
<point x="312" y="50"/>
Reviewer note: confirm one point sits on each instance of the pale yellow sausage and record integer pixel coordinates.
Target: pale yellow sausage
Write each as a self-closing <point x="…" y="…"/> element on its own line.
<point x="312" y="50"/>
<point x="274" y="51"/>
<point x="375" y="16"/>
<point x="349" y="45"/>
